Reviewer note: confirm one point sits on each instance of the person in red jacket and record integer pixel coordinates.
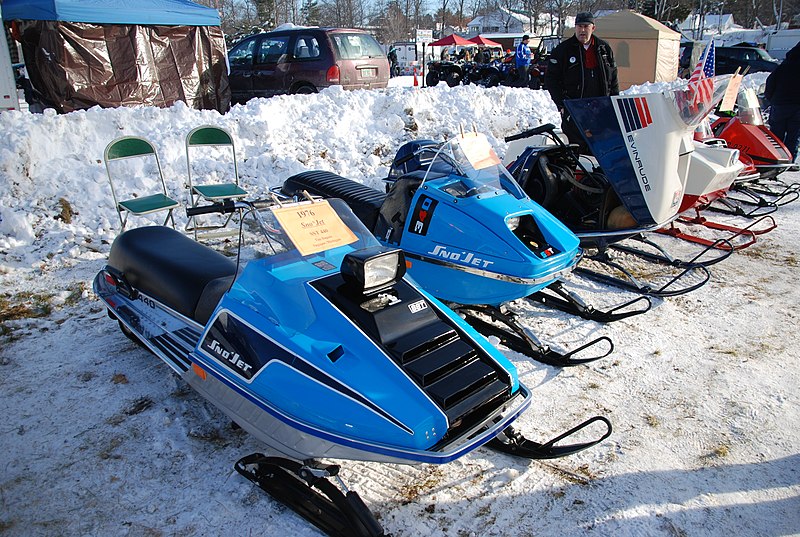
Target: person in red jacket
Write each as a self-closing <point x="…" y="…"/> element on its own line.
<point x="783" y="93"/>
<point x="582" y="66"/>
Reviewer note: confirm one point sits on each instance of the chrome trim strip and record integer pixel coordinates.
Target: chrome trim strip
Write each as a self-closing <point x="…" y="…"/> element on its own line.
<point x="495" y="275"/>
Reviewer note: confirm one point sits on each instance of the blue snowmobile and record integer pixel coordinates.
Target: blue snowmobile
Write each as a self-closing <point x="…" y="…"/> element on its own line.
<point x="315" y="342"/>
<point x="471" y="237"/>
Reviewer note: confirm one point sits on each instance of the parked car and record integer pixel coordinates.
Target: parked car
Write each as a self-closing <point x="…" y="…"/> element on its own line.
<point x="757" y="59"/>
<point x="305" y="60"/>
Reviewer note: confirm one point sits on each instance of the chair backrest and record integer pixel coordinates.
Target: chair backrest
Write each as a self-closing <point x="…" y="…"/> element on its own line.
<point x="209" y="135"/>
<point x="128" y="146"/>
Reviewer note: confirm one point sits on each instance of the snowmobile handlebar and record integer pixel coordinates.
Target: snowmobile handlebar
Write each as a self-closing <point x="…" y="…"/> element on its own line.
<point x="547" y="127"/>
<point x="228" y="206"/>
<point x="224" y="207"/>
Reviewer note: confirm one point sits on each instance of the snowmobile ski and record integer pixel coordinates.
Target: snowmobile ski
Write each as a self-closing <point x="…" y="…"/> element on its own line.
<point x="719" y="249"/>
<point x="727" y="243"/>
<point x="513" y="443"/>
<point x="787" y="195"/>
<point x="306" y="489"/>
<point x="736" y="206"/>
<point x="696" y="275"/>
<point x="517" y="338"/>
<point x="569" y="302"/>
<point x="748" y="233"/>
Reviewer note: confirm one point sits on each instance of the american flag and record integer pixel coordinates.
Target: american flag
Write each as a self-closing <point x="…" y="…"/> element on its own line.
<point x="701" y="83"/>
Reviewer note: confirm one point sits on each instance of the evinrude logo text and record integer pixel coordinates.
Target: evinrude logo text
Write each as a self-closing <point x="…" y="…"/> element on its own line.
<point x="232" y="357"/>
<point x="466" y="258"/>
<point x="639" y="165"/>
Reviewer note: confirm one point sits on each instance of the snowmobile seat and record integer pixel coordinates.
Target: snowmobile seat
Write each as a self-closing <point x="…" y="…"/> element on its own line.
<point x="363" y="200"/>
<point x="173" y="269"/>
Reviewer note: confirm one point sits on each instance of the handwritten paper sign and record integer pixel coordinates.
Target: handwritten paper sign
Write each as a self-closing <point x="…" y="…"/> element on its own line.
<point x="478" y="151"/>
<point x="314" y="227"/>
<point x="729" y="99"/>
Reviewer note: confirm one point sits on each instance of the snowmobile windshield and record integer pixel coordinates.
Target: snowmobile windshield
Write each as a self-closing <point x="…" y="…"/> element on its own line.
<point x="695" y="100"/>
<point x="304" y="232"/>
<point x="748" y="108"/>
<point x="467" y="166"/>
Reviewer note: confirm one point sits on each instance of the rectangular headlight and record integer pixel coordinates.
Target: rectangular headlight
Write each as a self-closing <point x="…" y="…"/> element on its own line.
<point x="380" y="271"/>
<point x="373" y="269"/>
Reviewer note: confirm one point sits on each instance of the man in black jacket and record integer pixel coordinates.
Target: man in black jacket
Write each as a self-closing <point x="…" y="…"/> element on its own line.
<point x="783" y="94"/>
<point x="582" y="66"/>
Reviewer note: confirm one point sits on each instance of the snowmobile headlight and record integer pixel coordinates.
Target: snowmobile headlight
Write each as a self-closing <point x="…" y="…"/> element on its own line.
<point x="373" y="269"/>
<point x="513" y="223"/>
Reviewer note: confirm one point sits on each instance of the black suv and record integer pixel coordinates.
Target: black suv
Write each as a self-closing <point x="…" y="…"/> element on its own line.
<point x="305" y="60"/>
<point x="729" y="58"/>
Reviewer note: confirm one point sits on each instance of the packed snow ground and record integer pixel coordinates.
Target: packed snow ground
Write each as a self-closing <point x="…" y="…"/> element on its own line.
<point x="100" y="438"/>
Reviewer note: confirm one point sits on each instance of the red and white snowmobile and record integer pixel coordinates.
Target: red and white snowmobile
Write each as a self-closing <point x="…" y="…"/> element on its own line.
<point x="714" y="168"/>
<point x="747" y="132"/>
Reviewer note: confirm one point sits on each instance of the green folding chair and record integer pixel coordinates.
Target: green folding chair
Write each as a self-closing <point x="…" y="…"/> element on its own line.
<point x="129" y="147"/>
<point x="208" y="136"/>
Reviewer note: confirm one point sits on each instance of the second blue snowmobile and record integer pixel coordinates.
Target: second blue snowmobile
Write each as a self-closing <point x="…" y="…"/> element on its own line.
<point x="470" y="234"/>
<point x="314" y="341"/>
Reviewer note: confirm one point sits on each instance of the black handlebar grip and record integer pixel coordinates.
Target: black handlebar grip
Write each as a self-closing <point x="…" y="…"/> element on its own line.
<point x="547" y="127"/>
<point x="225" y="207"/>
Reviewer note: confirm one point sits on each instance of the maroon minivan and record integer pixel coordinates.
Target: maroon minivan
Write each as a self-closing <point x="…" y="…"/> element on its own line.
<point x="305" y="60"/>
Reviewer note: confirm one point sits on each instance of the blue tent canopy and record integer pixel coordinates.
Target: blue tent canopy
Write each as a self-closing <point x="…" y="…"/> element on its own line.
<point x="145" y="12"/>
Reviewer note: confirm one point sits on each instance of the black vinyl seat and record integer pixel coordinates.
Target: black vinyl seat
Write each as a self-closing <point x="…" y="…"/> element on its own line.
<point x="172" y="268"/>
<point x="363" y="200"/>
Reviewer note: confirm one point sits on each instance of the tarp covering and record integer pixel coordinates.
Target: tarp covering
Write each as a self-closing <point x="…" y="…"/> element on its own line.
<point x="162" y="12"/>
<point x="76" y="65"/>
<point x="645" y="49"/>
<point x="83" y="53"/>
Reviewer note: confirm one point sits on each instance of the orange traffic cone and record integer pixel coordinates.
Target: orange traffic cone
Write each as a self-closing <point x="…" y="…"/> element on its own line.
<point x="416" y="82"/>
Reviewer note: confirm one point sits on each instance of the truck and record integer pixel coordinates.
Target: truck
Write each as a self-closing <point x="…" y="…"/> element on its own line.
<point x="408" y="55"/>
<point x="782" y="41"/>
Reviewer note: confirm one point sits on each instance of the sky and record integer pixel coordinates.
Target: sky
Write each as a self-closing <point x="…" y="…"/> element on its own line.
<point x="101" y="438"/>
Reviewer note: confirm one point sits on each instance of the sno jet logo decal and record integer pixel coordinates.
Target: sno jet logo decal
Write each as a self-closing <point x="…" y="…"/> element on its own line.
<point x="422" y="215"/>
<point x="230" y="357"/>
<point x="640" y="173"/>
<point x="466" y="258"/>
<point x="635" y="113"/>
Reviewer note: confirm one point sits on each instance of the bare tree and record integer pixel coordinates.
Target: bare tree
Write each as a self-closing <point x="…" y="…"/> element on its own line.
<point x="443" y="13"/>
<point x="344" y="13"/>
<point x="265" y="12"/>
<point x="460" y="13"/>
